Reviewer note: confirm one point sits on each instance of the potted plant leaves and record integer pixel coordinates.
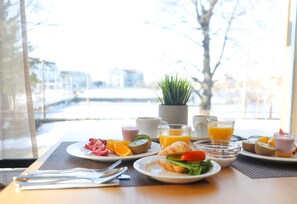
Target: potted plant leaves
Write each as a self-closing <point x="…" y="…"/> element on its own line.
<point x="176" y="92"/>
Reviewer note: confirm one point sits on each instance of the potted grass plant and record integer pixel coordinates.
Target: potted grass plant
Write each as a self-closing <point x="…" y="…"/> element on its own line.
<point x="176" y="92"/>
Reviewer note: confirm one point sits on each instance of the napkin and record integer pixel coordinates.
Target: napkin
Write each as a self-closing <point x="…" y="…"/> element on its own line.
<point x="57" y="181"/>
<point x="77" y="183"/>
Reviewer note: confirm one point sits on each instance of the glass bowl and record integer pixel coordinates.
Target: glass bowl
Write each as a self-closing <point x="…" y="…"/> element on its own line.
<point x="222" y="152"/>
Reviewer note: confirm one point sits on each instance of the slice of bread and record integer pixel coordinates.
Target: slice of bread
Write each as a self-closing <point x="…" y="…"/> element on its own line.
<point x="171" y="167"/>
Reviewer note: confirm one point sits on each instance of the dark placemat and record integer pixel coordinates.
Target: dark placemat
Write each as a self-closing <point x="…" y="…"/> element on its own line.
<point x="60" y="159"/>
<point x="257" y="169"/>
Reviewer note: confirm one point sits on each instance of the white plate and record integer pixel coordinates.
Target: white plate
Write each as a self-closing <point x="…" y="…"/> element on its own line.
<point x="149" y="166"/>
<point x="77" y="150"/>
<point x="271" y="159"/>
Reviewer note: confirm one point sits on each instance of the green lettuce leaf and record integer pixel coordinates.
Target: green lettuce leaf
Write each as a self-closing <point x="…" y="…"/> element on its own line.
<point x="192" y="168"/>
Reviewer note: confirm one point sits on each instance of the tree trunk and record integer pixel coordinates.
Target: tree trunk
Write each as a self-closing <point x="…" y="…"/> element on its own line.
<point x="204" y="17"/>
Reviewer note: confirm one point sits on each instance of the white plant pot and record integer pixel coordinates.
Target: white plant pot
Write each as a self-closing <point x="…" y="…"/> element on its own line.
<point x="174" y="114"/>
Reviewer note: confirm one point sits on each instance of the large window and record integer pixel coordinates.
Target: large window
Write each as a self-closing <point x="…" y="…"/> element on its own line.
<point x="103" y="59"/>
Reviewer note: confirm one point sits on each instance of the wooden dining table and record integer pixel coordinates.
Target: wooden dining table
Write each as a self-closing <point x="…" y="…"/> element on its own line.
<point x="227" y="186"/>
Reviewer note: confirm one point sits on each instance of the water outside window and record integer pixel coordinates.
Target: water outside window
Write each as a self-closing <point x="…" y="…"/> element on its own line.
<point x="102" y="60"/>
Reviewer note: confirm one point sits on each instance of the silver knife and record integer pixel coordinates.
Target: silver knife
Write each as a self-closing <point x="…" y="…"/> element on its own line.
<point x="95" y="177"/>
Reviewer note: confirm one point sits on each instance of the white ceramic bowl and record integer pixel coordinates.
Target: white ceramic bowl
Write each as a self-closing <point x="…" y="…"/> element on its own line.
<point x="221" y="152"/>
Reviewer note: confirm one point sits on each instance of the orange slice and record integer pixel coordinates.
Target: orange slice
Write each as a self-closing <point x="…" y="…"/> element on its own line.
<point x="126" y="143"/>
<point x="272" y="142"/>
<point x="263" y="139"/>
<point x="110" y="145"/>
<point x="121" y="149"/>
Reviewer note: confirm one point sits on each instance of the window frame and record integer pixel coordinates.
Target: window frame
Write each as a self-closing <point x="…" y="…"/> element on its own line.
<point x="289" y="105"/>
<point x="293" y="94"/>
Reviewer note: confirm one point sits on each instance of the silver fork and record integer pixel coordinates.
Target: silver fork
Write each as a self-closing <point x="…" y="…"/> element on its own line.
<point x="98" y="179"/>
<point x="64" y="171"/>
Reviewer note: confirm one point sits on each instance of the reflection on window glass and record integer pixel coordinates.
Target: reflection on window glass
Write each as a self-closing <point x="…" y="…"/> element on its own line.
<point x="104" y="59"/>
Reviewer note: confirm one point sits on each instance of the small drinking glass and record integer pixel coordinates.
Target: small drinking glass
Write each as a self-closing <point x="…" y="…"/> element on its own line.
<point x="129" y="132"/>
<point x="220" y="129"/>
<point x="284" y="143"/>
<point x="171" y="133"/>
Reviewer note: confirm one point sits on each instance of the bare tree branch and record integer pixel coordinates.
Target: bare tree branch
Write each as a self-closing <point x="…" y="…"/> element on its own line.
<point x="177" y="31"/>
<point x="196" y="8"/>
<point x="225" y="37"/>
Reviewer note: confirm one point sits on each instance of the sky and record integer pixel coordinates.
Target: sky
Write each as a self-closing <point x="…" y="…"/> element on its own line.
<point x="98" y="36"/>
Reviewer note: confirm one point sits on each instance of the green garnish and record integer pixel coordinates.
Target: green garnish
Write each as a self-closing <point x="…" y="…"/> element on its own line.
<point x="192" y="168"/>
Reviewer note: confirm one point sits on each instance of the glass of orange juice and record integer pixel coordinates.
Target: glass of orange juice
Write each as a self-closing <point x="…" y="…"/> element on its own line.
<point x="171" y="133"/>
<point x="220" y="129"/>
